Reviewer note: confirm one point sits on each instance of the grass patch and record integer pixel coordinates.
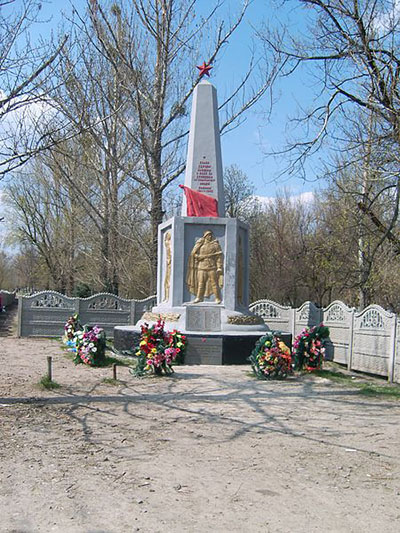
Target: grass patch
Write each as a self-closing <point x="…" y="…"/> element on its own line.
<point x="391" y="391"/>
<point x="69" y="355"/>
<point x="367" y="389"/>
<point x="120" y="361"/>
<point x="109" y="344"/>
<point x="111" y="381"/>
<point x="337" y="376"/>
<point x="48" y="384"/>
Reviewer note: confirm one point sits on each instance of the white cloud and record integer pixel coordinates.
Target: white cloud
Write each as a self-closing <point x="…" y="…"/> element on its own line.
<point x="388" y="19"/>
<point x="304" y="198"/>
<point x="23" y="111"/>
<point x="22" y="122"/>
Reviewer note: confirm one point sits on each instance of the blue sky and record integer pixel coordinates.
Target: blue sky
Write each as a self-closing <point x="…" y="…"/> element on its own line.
<point x="248" y="145"/>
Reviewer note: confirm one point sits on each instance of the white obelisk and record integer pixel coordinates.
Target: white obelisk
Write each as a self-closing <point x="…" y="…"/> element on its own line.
<point x="204" y="161"/>
<point x="218" y="324"/>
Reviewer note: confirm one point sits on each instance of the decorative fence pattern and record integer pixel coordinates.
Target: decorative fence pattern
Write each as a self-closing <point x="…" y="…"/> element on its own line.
<point x="278" y="317"/>
<point x="45" y="313"/>
<point x="339" y="319"/>
<point x="374" y="331"/>
<point x="7" y="298"/>
<point x="368" y="341"/>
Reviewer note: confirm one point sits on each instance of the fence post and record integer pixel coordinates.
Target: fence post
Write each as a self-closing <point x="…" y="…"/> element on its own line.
<point x="351" y="333"/>
<point x="133" y="311"/>
<point x="19" y="326"/>
<point x="293" y="320"/>
<point x="49" y="369"/>
<point x="77" y="305"/>
<point x="393" y="350"/>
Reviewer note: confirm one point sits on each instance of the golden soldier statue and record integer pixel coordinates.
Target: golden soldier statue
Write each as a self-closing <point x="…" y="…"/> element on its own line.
<point x="205" y="268"/>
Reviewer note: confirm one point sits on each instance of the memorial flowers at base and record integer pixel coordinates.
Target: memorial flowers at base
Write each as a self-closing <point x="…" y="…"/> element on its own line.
<point x="71" y="327"/>
<point x="271" y="358"/>
<point x="179" y="342"/>
<point x="158" y="349"/>
<point x="90" y="346"/>
<point x="309" y="348"/>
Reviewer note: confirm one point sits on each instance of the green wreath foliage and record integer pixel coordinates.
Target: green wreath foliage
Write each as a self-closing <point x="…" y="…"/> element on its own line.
<point x="159" y="349"/>
<point x="271" y="358"/>
<point x="309" y="348"/>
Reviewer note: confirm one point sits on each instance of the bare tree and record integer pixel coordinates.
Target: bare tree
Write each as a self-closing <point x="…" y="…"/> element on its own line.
<point x="362" y="198"/>
<point x="45" y="217"/>
<point x="91" y="98"/>
<point x="5" y="271"/>
<point x="352" y="47"/>
<point x="119" y="118"/>
<point x="58" y="210"/>
<point x="27" y="269"/>
<point x="238" y="189"/>
<point x="156" y="43"/>
<point x="23" y="99"/>
<point x="279" y="234"/>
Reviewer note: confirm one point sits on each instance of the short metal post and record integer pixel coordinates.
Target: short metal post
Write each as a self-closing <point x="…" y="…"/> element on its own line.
<point x="114" y="367"/>
<point x="49" y="372"/>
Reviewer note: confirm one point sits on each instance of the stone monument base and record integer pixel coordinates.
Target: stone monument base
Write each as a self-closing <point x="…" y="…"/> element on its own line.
<point x="204" y="349"/>
<point x="216" y="336"/>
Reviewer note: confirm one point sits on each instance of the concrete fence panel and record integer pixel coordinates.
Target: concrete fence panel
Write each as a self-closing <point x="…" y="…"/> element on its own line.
<point x="307" y="315"/>
<point x="396" y="362"/>
<point x="276" y="316"/>
<point x="339" y="319"/>
<point x="141" y="306"/>
<point x="368" y="341"/>
<point x="44" y="314"/>
<point x="106" y="311"/>
<point x="374" y="341"/>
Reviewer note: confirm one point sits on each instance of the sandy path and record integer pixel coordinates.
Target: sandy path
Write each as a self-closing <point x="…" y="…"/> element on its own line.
<point x="210" y="449"/>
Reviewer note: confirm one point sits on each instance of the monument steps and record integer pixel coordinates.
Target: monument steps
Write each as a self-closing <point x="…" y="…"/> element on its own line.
<point x="202" y="359"/>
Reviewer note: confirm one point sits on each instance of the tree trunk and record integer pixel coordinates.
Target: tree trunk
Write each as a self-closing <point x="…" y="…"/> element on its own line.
<point x="114" y="238"/>
<point x="364" y="296"/>
<point x="156" y="216"/>
<point x="104" y="254"/>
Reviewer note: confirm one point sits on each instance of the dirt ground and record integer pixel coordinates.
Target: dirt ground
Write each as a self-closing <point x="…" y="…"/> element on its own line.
<point x="208" y="450"/>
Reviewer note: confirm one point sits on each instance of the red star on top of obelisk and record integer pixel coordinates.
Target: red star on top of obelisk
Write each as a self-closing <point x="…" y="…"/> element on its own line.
<point x="204" y="69"/>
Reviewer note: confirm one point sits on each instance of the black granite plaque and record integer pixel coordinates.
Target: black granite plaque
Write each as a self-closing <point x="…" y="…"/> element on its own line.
<point x="204" y="351"/>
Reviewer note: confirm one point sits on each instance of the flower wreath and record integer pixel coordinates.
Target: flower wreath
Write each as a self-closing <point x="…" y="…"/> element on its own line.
<point x="71" y="326"/>
<point x="271" y="358"/>
<point x="90" y="346"/>
<point x="309" y="348"/>
<point x="158" y="349"/>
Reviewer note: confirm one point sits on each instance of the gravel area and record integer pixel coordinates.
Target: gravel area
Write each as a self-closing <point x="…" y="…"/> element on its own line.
<point x="210" y="449"/>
